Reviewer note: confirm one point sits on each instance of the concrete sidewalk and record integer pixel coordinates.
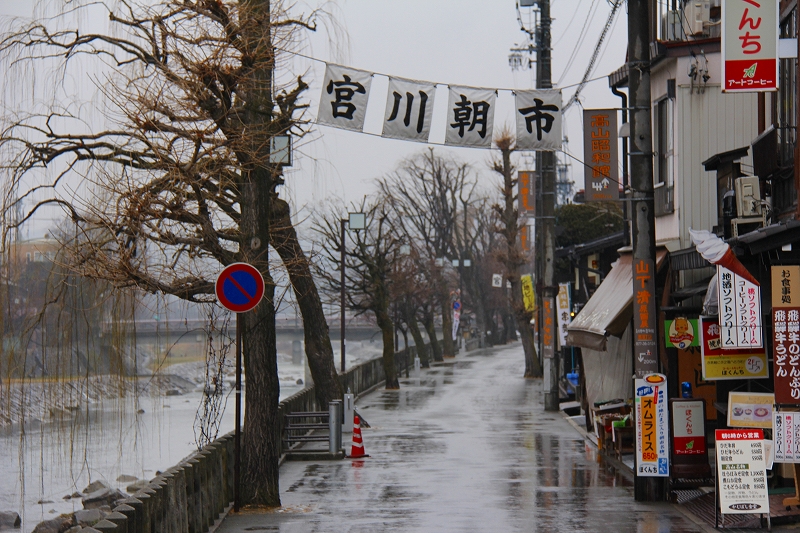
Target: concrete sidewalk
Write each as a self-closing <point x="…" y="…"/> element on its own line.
<point x="467" y="448"/>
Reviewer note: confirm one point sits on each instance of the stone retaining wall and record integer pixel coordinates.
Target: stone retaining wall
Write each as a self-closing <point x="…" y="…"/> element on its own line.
<point x="191" y="496"/>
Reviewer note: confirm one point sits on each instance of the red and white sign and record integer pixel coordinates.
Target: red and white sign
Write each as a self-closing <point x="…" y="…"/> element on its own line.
<point x="688" y="429"/>
<point x="786" y="432"/>
<point x="739" y="311"/>
<point x="749" y="45"/>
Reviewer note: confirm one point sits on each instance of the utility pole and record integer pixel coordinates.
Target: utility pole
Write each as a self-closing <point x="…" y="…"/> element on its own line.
<point x="545" y="223"/>
<point x="645" y="311"/>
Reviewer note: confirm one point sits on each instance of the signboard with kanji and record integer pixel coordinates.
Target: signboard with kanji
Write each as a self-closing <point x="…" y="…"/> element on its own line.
<point x="644" y="317"/>
<point x="563" y="308"/>
<point x="739" y="311"/>
<point x="786" y="435"/>
<point x="749" y="45"/>
<point x="652" y="426"/>
<point x="747" y="363"/>
<point x="548" y="327"/>
<point x="786" y="333"/>
<point x="526" y="181"/>
<point x="528" y="294"/>
<point x="742" y="471"/>
<point x="601" y="173"/>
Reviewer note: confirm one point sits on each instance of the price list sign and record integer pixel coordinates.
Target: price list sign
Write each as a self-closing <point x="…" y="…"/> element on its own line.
<point x="741" y="471"/>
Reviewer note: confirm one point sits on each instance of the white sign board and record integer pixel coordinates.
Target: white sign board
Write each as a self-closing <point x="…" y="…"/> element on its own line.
<point x="563" y="312"/>
<point x="786" y="434"/>
<point x="497" y="280"/>
<point x="652" y="426"/>
<point x="739" y="311"/>
<point x="741" y="471"/>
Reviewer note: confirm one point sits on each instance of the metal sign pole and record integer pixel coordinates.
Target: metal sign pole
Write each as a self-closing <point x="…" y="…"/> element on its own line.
<point x="238" y="430"/>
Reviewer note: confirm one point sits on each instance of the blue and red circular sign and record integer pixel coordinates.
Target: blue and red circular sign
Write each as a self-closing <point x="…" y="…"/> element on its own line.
<point x="239" y="287"/>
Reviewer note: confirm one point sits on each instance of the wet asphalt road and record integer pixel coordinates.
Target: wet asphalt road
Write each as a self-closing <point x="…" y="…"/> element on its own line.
<point x="468" y="448"/>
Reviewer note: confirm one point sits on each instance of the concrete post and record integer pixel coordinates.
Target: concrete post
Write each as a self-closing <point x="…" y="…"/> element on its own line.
<point x="129" y="512"/>
<point x="417" y="367"/>
<point x="120" y="520"/>
<point x="334" y="426"/>
<point x="349" y="412"/>
<point x="106" y="526"/>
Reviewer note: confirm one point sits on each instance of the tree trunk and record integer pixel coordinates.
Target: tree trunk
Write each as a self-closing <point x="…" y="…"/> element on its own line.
<point x="319" y="352"/>
<point x="448" y="346"/>
<point x="260" y="435"/>
<point x="523" y="318"/>
<point x="387" y="330"/>
<point x="430" y="329"/>
<point x="422" y="350"/>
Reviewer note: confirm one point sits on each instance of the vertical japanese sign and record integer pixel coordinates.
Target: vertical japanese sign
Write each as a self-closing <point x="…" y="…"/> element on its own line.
<point x="526" y="180"/>
<point x="747" y="363"/>
<point x="741" y="471"/>
<point x="644" y="317"/>
<point x="563" y="309"/>
<point x="652" y="426"/>
<point x="548" y="327"/>
<point x="470" y="117"/>
<point x="538" y="119"/>
<point x="739" y="311"/>
<point x="528" y="294"/>
<point x="345" y="92"/>
<point x="786" y="433"/>
<point x="600" y="170"/>
<point x="688" y="427"/>
<point x="786" y="333"/>
<point x="525" y="238"/>
<point x="749" y="45"/>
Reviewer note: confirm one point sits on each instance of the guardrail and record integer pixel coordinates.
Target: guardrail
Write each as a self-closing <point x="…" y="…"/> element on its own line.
<point x="191" y="496"/>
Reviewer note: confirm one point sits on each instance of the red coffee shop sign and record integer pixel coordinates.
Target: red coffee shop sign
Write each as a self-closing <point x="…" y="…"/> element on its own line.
<point x="749" y="45"/>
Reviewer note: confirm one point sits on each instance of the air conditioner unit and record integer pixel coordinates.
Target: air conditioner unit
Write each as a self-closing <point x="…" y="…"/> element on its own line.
<point x="748" y="197"/>
<point x="672" y="26"/>
<point x="698" y="15"/>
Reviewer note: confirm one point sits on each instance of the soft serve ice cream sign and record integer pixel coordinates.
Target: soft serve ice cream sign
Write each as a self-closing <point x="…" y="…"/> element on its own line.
<point x="739" y="294"/>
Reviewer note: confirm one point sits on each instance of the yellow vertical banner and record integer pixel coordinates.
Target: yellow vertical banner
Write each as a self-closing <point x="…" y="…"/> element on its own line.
<point x="528" y="294"/>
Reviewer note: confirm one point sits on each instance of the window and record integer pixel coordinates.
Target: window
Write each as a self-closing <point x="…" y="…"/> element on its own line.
<point x="662" y="145"/>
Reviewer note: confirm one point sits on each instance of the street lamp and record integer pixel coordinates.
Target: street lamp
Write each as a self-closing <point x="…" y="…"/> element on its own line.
<point x="356" y="221"/>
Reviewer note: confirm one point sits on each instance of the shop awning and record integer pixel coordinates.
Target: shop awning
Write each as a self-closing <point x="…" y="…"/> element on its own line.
<point x="610" y="309"/>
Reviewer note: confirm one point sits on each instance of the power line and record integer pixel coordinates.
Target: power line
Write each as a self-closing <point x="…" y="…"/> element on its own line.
<point x="590" y="67"/>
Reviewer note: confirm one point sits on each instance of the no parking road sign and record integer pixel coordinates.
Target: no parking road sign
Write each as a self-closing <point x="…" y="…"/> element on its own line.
<point x="239" y="287"/>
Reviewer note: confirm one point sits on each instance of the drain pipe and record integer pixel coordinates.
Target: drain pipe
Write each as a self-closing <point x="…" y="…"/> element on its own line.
<point x="625" y="207"/>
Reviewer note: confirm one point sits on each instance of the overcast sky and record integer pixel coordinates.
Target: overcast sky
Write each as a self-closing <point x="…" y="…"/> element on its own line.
<point x="454" y="42"/>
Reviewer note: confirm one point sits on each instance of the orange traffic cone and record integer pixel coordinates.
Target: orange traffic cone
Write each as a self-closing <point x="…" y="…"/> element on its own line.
<point x="358" y="445"/>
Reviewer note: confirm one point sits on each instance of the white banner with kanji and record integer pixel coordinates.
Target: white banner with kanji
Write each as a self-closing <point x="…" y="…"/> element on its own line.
<point x="409" y="108"/>
<point x="345" y="93"/>
<point x="538" y="119"/>
<point x="470" y="117"/>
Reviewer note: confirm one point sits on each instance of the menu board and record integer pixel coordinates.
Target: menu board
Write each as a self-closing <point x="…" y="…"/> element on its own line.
<point x="750" y="409"/>
<point x="741" y="471"/>
<point x="652" y="426"/>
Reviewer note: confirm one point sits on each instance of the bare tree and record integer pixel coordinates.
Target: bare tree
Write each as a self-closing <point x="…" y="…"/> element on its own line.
<point x="512" y="255"/>
<point x="368" y="267"/>
<point x="178" y="181"/>
<point x="425" y="193"/>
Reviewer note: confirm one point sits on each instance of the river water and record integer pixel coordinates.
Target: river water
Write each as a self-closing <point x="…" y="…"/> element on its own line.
<point x="102" y="442"/>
